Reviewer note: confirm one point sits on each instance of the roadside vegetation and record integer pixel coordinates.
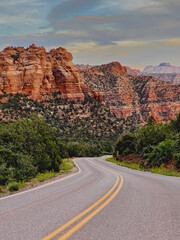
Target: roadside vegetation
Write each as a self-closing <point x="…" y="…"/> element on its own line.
<point x="67" y="165"/>
<point x="30" y="152"/>
<point x="154" y="147"/>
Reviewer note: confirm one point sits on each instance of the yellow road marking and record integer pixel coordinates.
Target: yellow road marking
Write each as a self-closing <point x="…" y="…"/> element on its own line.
<point x="79" y="225"/>
<point x="94" y="213"/>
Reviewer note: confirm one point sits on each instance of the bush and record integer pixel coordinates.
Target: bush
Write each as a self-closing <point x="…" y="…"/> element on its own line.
<point x="126" y="152"/>
<point x="27" y="147"/>
<point x="14" y="186"/>
<point x="152" y="135"/>
<point x="175" y="124"/>
<point x="161" y="153"/>
<point x="126" y="144"/>
<point x="177" y="160"/>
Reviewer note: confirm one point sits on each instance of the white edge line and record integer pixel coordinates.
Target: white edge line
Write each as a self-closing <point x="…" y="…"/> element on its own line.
<point x="44" y="185"/>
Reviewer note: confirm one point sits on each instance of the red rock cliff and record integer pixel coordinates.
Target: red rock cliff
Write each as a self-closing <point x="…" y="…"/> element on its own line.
<point x="35" y="72"/>
<point x="134" y="97"/>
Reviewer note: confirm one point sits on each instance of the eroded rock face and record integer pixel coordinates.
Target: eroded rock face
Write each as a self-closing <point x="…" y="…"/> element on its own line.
<point x="134" y="97"/>
<point x="35" y="72"/>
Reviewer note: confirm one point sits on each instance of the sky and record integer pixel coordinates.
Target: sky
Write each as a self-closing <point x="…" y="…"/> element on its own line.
<point x="136" y="33"/>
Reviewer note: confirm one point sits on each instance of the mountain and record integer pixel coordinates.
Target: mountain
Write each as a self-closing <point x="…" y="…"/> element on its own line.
<point x="88" y="120"/>
<point x="168" y="77"/>
<point x="161" y="69"/>
<point x="37" y="74"/>
<point x="133" y="72"/>
<point x="40" y="75"/>
<point x="133" y="98"/>
<point x="83" y="66"/>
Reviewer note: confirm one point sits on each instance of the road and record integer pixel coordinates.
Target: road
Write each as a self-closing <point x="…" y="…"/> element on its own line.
<point x="135" y="206"/>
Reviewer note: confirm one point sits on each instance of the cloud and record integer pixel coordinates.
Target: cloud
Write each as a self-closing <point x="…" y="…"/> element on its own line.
<point x="172" y="42"/>
<point x="22" y="16"/>
<point x="66" y="9"/>
<point x="95" y="29"/>
<point x="108" y="21"/>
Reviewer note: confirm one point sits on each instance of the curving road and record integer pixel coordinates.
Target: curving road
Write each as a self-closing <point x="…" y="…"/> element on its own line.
<point x="124" y="204"/>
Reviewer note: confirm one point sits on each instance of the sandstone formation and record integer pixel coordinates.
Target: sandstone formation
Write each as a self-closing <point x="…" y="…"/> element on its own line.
<point x="134" y="98"/>
<point x="36" y="73"/>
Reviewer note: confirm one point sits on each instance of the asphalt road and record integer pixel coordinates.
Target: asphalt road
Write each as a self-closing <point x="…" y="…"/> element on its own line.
<point x="144" y="206"/>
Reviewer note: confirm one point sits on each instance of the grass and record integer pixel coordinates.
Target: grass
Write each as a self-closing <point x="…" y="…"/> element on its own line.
<point x="167" y="172"/>
<point x="161" y="170"/>
<point x="123" y="164"/>
<point x="66" y="168"/>
<point x="67" y="165"/>
<point x="42" y="177"/>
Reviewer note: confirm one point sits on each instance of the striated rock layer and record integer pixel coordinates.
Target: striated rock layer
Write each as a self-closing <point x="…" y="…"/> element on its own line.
<point x="134" y="97"/>
<point x="36" y="73"/>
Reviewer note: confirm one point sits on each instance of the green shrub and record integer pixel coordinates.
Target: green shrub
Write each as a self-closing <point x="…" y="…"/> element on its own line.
<point x="162" y="153"/>
<point x="152" y="135"/>
<point x="177" y="160"/>
<point x="125" y="144"/>
<point x="175" y="124"/>
<point x="14" y="186"/>
<point x="126" y="152"/>
<point x="142" y="164"/>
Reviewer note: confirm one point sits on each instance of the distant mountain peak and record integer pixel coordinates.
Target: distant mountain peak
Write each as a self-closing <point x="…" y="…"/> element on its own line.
<point x="164" y="64"/>
<point x="161" y="69"/>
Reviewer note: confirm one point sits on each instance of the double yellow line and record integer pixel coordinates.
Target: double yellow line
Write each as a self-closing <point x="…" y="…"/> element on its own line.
<point x="104" y="200"/>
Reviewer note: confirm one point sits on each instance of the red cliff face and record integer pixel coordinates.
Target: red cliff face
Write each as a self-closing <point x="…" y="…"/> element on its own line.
<point x="36" y="73"/>
<point x="134" y="97"/>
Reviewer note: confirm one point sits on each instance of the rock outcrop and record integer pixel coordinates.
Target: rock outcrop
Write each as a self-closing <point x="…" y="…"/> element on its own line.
<point x="134" y="97"/>
<point x="36" y="73"/>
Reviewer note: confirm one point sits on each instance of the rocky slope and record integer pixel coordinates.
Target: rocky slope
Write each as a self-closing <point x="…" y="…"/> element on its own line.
<point x="37" y="73"/>
<point x="168" y="77"/>
<point x="133" y="72"/>
<point x="162" y="68"/>
<point x="40" y="74"/>
<point x="89" y="121"/>
<point x="134" y="98"/>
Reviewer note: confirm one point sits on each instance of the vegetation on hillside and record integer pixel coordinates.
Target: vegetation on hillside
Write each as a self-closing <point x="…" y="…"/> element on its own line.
<point x="89" y="125"/>
<point x="156" y="144"/>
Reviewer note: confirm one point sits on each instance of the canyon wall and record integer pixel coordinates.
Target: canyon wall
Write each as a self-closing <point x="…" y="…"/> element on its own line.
<point x="36" y="73"/>
<point x="134" y="97"/>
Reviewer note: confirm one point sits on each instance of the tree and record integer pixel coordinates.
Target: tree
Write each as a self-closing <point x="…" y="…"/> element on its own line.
<point x="126" y="144"/>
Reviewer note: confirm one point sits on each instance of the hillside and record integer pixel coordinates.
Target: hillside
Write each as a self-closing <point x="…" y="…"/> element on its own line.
<point x="88" y="121"/>
<point x="168" y="77"/>
<point x="134" y="98"/>
<point x="80" y="102"/>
